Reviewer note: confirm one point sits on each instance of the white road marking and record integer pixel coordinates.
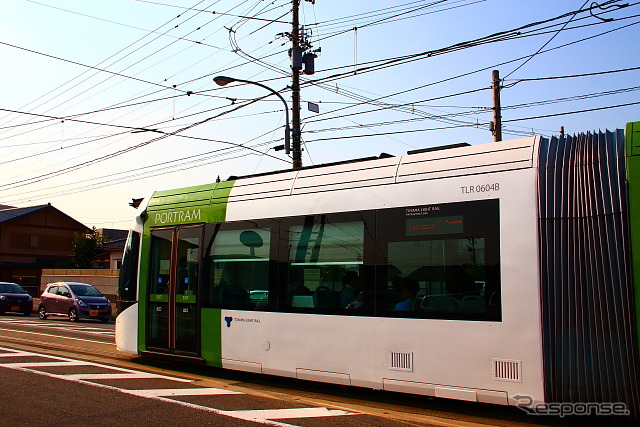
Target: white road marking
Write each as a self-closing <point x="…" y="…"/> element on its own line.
<point x="131" y="375"/>
<point x="260" y="416"/>
<point x="23" y="365"/>
<point x="56" y="336"/>
<point x="75" y="328"/>
<point x="278" y="414"/>
<point x="16" y="354"/>
<point x="202" y="391"/>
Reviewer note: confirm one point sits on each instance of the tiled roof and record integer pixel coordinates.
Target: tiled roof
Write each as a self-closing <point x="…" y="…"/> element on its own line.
<point x="10" y="214"/>
<point x="111" y="234"/>
<point x="114" y="244"/>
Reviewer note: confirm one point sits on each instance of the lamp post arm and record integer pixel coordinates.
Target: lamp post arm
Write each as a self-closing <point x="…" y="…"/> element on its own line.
<point x="287" y="144"/>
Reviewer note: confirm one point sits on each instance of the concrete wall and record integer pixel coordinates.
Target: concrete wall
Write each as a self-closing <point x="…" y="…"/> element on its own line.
<point x="106" y="281"/>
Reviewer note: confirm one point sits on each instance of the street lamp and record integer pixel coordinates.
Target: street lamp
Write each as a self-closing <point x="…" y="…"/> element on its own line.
<point x="223" y="81"/>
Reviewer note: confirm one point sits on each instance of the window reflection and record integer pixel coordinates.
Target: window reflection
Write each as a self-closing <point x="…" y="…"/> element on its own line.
<point x="435" y="261"/>
<point x="325" y="259"/>
<point x="239" y="268"/>
<point x="439" y="277"/>
<point x="443" y="261"/>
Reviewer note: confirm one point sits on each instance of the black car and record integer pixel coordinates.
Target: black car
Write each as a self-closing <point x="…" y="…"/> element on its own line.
<point x="14" y="298"/>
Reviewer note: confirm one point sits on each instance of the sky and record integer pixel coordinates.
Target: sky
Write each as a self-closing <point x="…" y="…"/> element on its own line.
<point x="103" y="101"/>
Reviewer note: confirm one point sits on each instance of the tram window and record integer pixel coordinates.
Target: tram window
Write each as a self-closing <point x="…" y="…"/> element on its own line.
<point x="325" y="258"/>
<point x="239" y="267"/>
<point x="188" y="261"/>
<point x="160" y="262"/>
<point x="128" y="279"/>
<point x="442" y="261"/>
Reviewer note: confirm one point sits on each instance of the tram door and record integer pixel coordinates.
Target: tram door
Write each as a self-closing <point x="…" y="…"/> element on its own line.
<point x="173" y="290"/>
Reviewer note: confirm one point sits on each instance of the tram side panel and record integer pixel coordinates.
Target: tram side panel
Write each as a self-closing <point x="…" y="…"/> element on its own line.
<point x="490" y="360"/>
<point x="471" y="360"/>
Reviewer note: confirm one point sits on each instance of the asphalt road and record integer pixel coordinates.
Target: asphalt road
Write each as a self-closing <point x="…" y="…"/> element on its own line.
<point x="54" y="372"/>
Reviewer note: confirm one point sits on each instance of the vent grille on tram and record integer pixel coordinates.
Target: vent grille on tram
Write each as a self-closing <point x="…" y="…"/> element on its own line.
<point x="507" y="370"/>
<point x="401" y="361"/>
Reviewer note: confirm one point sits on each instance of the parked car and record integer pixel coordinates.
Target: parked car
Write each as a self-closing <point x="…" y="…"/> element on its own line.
<point x="14" y="298"/>
<point x="75" y="300"/>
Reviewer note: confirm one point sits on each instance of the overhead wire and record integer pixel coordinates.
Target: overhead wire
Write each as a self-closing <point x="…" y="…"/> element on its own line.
<point x="187" y="93"/>
<point x="122" y="24"/>
<point x="548" y="41"/>
<point x="574" y="14"/>
<point x="163" y="86"/>
<point x="128" y="149"/>
<point x="596" y="73"/>
<point x="160" y="168"/>
<point x="113" y="55"/>
<point x="496" y="37"/>
<point x="122" y="50"/>
<point x="348" y="23"/>
<point x="163" y="34"/>
<point x="348" y="74"/>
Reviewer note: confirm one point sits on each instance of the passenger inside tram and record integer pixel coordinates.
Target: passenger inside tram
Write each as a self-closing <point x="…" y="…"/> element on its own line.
<point x="296" y="286"/>
<point x="408" y="288"/>
<point x="350" y="288"/>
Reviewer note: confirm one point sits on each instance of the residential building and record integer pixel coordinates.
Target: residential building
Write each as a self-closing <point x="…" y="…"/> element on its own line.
<point x="112" y="247"/>
<point x="34" y="238"/>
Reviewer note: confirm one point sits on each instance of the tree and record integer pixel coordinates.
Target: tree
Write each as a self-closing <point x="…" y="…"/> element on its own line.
<point x="84" y="248"/>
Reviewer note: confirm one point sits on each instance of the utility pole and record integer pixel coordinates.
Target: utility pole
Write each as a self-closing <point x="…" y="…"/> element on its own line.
<point x="497" y="114"/>
<point x="301" y="56"/>
<point x="296" y="66"/>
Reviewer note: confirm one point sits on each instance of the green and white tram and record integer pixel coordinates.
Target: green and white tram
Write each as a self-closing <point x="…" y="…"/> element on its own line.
<point x="499" y="273"/>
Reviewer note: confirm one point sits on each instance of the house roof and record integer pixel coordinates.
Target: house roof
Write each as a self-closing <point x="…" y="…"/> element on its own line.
<point x="114" y="244"/>
<point x="11" y="214"/>
<point x="112" y="234"/>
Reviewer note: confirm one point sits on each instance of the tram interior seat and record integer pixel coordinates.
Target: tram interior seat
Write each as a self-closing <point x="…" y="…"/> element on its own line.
<point x="305" y="301"/>
<point x="440" y="304"/>
<point x="493" y="307"/>
<point x="472" y="304"/>
<point x="234" y="298"/>
<point x="325" y="298"/>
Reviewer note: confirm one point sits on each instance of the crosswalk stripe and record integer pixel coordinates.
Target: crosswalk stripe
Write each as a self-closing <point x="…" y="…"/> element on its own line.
<point x="266" y="416"/>
<point x="278" y="414"/>
<point x="202" y="391"/>
<point x="116" y="376"/>
<point x="87" y="329"/>
<point x="57" y="336"/>
<point x="44" y="364"/>
<point x="16" y="354"/>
